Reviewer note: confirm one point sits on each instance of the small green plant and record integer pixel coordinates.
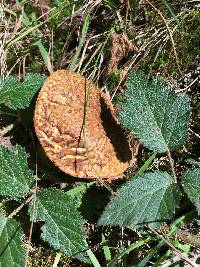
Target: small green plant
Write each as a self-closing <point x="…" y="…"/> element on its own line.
<point x="155" y="115"/>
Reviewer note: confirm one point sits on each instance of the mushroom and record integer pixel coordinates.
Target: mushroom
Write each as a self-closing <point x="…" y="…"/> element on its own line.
<point x="76" y="125"/>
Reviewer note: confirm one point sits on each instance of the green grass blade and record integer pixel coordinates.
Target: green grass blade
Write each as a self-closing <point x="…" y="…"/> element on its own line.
<point x="26" y="20"/>
<point x="75" y="59"/>
<point x="171" y="12"/>
<point x="32" y="29"/>
<point x="79" y="189"/>
<point x="45" y="55"/>
<point x="106" y="249"/>
<point x="128" y="250"/>
<point x="93" y="258"/>
<point x="11" y="12"/>
<point x="144" y="167"/>
<point x="22" y="35"/>
<point x="174" y="226"/>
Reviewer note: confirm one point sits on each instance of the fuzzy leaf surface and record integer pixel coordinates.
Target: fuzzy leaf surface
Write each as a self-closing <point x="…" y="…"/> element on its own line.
<point x="12" y="252"/>
<point x="150" y="199"/>
<point x="63" y="225"/>
<point x="191" y="185"/>
<point x="16" y="178"/>
<point x="18" y="95"/>
<point x="155" y="114"/>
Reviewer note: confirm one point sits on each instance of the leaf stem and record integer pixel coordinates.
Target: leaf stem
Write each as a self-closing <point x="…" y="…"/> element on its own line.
<point x="20" y="207"/>
<point x="32" y="218"/>
<point x="174" y="249"/>
<point x="171" y="162"/>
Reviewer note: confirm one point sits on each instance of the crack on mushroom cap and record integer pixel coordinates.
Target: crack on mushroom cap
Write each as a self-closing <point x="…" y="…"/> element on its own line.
<point x="79" y="132"/>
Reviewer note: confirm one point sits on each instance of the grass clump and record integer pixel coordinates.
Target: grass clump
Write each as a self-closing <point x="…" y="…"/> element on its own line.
<point x="188" y="39"/>
<point x="43" y="257"/>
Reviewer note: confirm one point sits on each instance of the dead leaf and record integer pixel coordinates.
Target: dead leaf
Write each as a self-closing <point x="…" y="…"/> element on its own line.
<point x="120" y="46"/>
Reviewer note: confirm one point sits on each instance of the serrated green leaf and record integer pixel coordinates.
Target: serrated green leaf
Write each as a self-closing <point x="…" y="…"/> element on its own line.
<point x="16" y="179"/>
<point x="191" y="185"/>
<point x="18" y="95"/>
<point x="12" y="252"/>
<point x="155" y="114"/>
<point x="150" y="199"/>
<point x="194" y="162"/>
<point x="63" y="227"/>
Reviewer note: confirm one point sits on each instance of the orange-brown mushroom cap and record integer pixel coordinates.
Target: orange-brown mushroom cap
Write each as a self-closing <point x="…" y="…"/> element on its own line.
<point x="75" y="124"/>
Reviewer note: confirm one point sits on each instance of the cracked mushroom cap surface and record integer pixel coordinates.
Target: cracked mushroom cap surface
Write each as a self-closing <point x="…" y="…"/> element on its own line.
<point x="75" y="124"/>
